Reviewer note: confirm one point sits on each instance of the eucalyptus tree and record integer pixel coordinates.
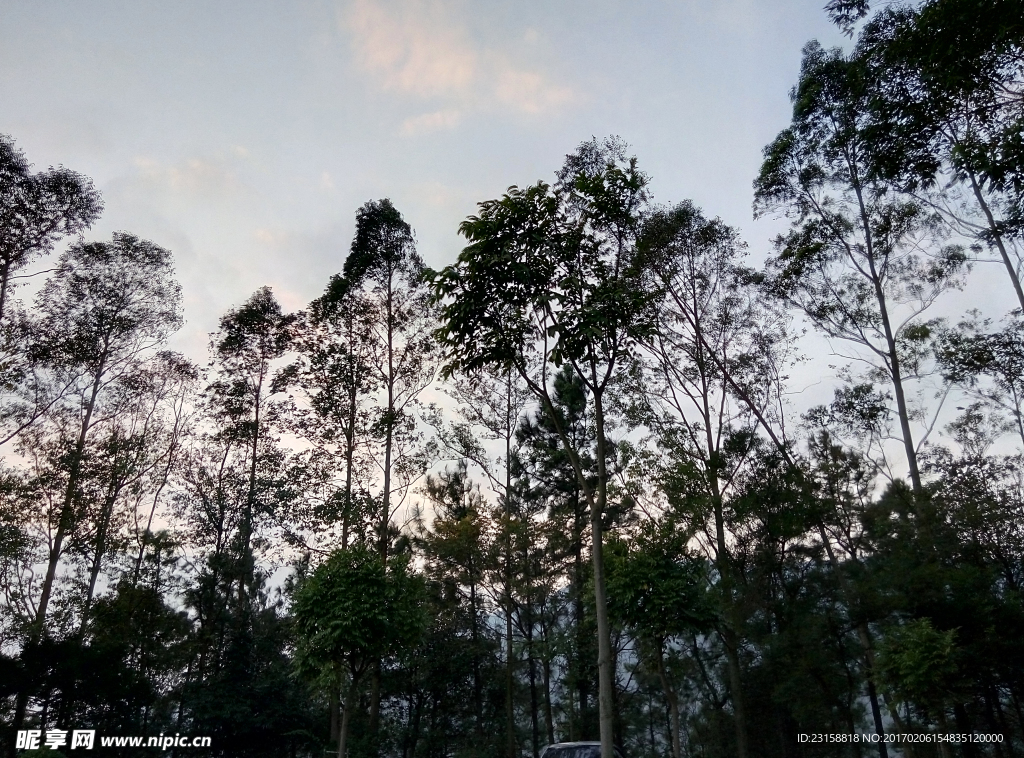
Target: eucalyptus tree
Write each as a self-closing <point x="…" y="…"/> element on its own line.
<point x="861" y="263"/>
<point x="241" y="399"/>
<point x="131" y="461"/>
<point x="946" y="113"/>
<point x="107" y="306"/>
<point x="548" y="278"/>
<point x="386" y="272"/>
<point x="104" y="310"/>
<point x="711" y="377"/>
<point x="334" y="378"/>
<point x="36" y="210"/>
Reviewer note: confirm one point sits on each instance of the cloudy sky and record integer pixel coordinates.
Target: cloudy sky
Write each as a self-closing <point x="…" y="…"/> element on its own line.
<point x="244" y="135"/>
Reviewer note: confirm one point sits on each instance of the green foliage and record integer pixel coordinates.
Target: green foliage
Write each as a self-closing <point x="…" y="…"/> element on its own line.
<point x="353" y="610"/>
<point x="657" y="587"/>
<point x="919" y="662"/>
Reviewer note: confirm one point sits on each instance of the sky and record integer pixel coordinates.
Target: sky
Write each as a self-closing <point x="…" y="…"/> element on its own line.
<point x="243" y="136"/>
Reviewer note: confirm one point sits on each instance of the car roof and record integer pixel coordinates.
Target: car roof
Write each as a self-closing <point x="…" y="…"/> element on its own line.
<point x="578" y="744"/>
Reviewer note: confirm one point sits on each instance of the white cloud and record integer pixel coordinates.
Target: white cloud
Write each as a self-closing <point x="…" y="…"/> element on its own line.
<point x="529" y="92"/>
<point x="200" y="176"/>
<point x="419" y="49"/>
<point x="413" y="50"/>
<point x="430" y="122"/>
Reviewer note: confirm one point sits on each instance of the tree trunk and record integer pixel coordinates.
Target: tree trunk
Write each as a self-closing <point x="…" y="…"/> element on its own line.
<point x="672" y="700"/>
<point x="895" y="371"/>
<point x="736" y="690"/>
<point x="549" y="718"/>
<point x="346" y="717"/>
<point x="335" y="714"/>
<point x="101" y="546"/>
<point x="510" y="724"/>
<point x="606" y="704"/>
<point x="67" y="508"/>
<point x="5" y="278"/>
<point x="993" y="228"/>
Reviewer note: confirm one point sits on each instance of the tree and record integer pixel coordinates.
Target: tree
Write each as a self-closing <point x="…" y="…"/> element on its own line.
<point x="250" y="339"/>
<point x="36" y="210"/>
<point x="351" y="612"/>
<point x="556" y="551"/>
<point x="711" y="378"/>
<point x="658" y="590"/>
<point x="945" y="111"/>
<point x="385" y="268"/>
<point x="549" y="278"/>
<point x="458" y="550"/>
<point x="336" y="381"/>
<point x="850" y="261"/>
<point x="490" y="406"/>
<point x="106" y="306"/>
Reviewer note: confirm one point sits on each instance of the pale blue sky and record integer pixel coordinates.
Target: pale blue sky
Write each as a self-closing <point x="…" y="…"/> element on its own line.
<point x="244" y="135"/>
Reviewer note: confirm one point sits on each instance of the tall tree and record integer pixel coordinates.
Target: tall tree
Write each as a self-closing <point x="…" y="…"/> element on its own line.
<point x="712" y="376"/>
<point x="548" y="278"/>
<point x="352" y="611"/>
<point x="946" y="112"/>
<point x="104" y="309"/>
<point x="36" y="210"/>
<point x="851" y="260"/>
<point x="388" y="272"/>
<point x="335" y="379"/>
<point x="251" y="338"/>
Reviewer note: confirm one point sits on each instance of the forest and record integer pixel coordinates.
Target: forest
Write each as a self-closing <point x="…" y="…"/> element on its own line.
<point x="556" y="490"/>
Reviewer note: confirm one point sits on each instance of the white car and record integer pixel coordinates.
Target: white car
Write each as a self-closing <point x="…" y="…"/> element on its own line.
<point x="576" y="750"/>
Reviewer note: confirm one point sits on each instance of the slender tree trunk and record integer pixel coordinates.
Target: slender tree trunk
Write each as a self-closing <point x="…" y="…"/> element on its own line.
<point x="997" y="238"/>
<point x="5" y="278"/>
<point x="389" y="427"/>
<point x="510" y="724"/>
<point x="532" y="674"/>
<point x="248" y="563"/>
<point x="902" y="409"/>
<point x="672" y="700"/>
<point x="374" y="719"/>
<point x="890" y="342"/>
<point x="67" y="507"/>
<point x="101" y="547"/>
<point x="478" y="706"/>
<point x="577" y="729"/>
<point x="728" y="633"/>
<point x="346" y="717"/>
<point x="350" y="434"/>
<point x="549" y="718"/>
<point x="335" y="714"/>
<point x="606" y="682"/>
